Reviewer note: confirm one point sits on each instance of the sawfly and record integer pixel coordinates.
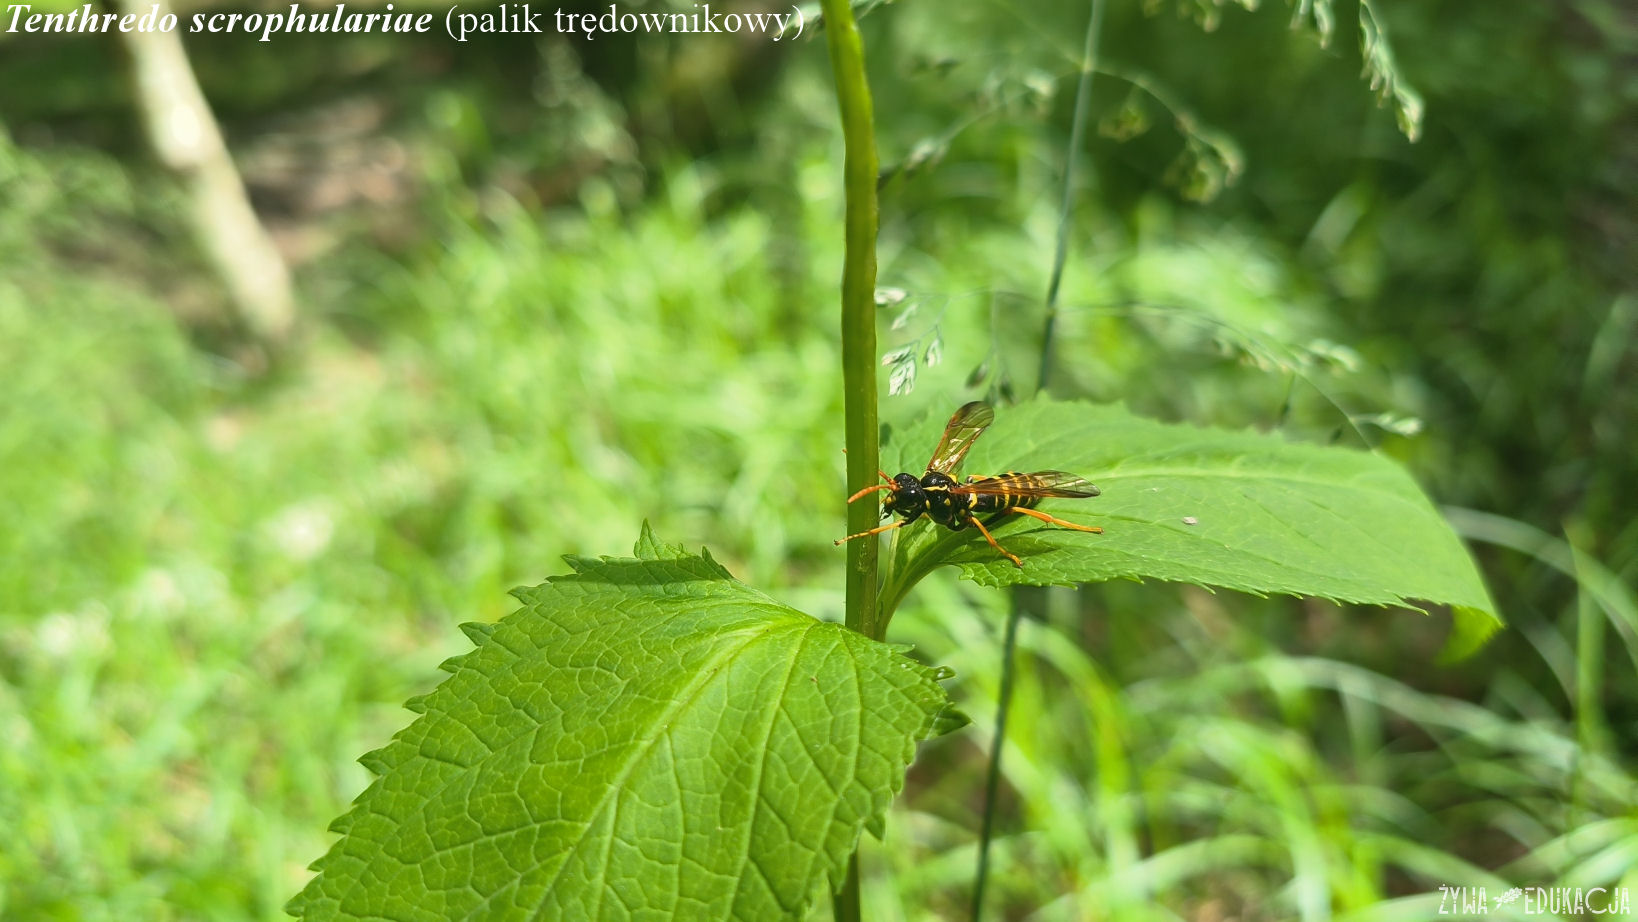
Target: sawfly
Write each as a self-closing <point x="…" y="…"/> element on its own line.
<point x="956" y="504"/>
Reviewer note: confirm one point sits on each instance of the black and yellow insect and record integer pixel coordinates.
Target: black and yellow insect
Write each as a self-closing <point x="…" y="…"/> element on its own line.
<point x="955" y="504"/>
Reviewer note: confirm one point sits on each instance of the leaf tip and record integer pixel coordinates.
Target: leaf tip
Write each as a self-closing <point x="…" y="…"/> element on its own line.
<point x="1470" y="629"/>
<point x="376" y="763"/>
<point x="650" y="547"/>
<point x="876" y="824"/>
<point x="949" y="720"/>
<point x="647" y="545"/>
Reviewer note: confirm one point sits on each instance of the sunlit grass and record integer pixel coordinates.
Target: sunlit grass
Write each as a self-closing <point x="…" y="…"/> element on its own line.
<point x="218" y="591"/>
<point x="1233" y="783"/>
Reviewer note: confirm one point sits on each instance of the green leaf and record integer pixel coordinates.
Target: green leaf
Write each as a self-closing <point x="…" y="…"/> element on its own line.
<point x="1238" y="510"/>
<point x="645" y="738"/>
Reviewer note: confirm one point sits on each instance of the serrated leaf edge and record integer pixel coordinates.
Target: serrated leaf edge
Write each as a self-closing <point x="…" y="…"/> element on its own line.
<point x="398" y="750"/>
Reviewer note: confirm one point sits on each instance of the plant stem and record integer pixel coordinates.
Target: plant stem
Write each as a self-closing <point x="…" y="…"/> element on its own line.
<point x="1066" y="206"/>
<point x="858" y="305"/>
<point x="858" y="340"/>
<point x="1077" y="134"/>
<point x="992" y="776"/>
<point x="845" y="904"/>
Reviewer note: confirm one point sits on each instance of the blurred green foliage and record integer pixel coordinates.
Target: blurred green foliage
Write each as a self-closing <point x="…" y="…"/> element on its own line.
<point x="555" y="289"/>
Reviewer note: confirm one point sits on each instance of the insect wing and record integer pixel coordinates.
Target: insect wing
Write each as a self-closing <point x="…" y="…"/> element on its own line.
<point x="1044" y="484"/>
<point x="963" y="430"/>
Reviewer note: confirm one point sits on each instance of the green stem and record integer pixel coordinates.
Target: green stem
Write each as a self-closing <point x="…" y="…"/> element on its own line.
<point x="915" y="553"/>
<point x="845" y="904"/>
<point x="858" y="305"/>
<point x="1066" y="205"/>
<point x="858" y="341"/>
<point x="992" y="774"/>
<point x="1066" y="208"/>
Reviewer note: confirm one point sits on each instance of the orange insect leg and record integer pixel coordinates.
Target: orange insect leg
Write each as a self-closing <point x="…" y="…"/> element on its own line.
<point x="991" y="538"/>
<point x="874" y="531"/>
<point x="1051" y="520"/>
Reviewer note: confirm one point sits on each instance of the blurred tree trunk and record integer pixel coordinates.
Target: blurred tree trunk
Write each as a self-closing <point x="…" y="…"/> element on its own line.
<point x="185" y="137"/>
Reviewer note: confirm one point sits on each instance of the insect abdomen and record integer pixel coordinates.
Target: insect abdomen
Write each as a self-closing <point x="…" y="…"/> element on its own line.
<point x="1004" y="499"/>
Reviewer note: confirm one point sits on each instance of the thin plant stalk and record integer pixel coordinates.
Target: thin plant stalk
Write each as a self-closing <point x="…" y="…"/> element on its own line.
<point x="858" y="340"/>
<point x="1066" y="205"/>
<point x="992" y="774"/>
<point x="1060" y="257"/>
<point x="858" y="305"/>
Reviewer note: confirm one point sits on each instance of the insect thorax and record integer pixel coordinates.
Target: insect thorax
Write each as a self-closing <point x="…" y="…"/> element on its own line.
<point x="945" y="508"/>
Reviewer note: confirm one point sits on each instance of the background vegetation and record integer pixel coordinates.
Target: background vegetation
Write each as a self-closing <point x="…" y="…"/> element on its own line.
<point x="551" y="288"/>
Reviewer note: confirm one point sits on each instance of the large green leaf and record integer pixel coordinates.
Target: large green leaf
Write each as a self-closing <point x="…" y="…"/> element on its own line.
<point x="647" y="738"/>
<point x="1239" y="510"/>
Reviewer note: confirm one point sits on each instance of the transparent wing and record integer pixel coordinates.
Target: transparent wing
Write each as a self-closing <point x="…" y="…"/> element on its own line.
<point x="1040" y="483"/>
<point x="963" y="430"/>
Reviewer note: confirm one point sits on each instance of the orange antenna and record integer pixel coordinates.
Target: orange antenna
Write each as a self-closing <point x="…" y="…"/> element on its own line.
<point x="868" y="490"/>
<point x="889" y="485"/>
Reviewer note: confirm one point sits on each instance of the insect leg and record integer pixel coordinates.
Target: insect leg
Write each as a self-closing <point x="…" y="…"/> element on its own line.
<point x="876" y="531"/>
<point x="1037" y="514"/>
<point x="991" y="538"/>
